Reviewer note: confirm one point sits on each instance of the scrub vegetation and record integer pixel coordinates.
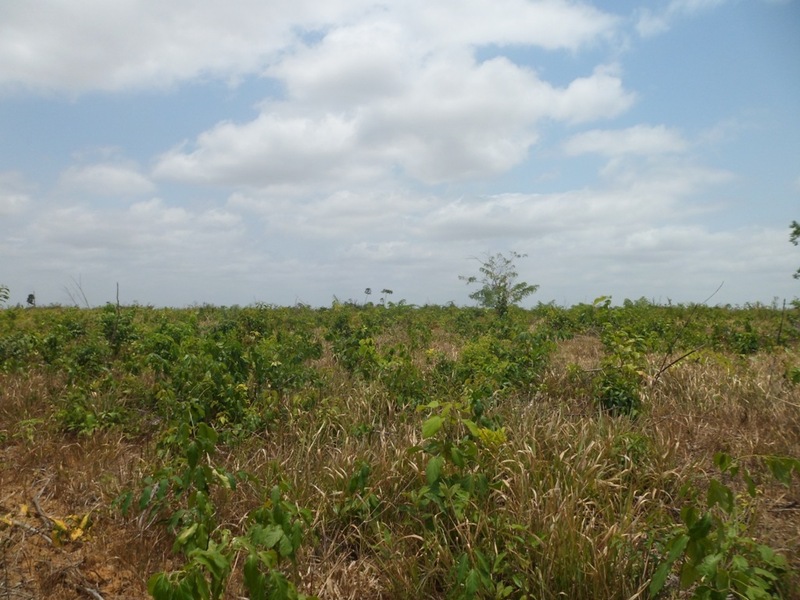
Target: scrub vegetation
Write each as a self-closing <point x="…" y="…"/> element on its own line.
<point x="394" y="451"/>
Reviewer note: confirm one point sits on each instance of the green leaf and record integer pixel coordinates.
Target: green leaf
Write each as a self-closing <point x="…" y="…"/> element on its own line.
<point x="708" y="567"/>
<point x="700" y="528"/>
<point x="782" y="467"/>
<point x="471" y="427"/>
<point x="285" y="548"/>
<point x="720" y="494"/>
<point x="159" y="587"/>
<point x="192" y="454"/>
<point x="677" y="546"/>
<point x="432" y="426"/>
<point x="755" y="593"/>
<point x="767" y="575"/>
<point x="272" y="536"/>
<point x="254" y="579"/>
<point x="185" y="535"/>
<point x="772" y="558"/>
<point x="433" y="471"/>
<point x="471" y="584"/>
<point x="751" y="484"/>
<point x="144" y="497"/>
<point x="457" y="456"/>
<point x="723" y="461"/>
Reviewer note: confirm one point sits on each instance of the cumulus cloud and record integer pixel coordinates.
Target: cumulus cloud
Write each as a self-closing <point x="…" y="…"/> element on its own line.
<point x="637" y="140"/>
<point x="106" y="179"/>
<point x="90" y="45"/>
<point x="273" y="150"/>
<point x="551" y="24"/>
<point x="93" y="44"/>
<point x="453" y="118"/>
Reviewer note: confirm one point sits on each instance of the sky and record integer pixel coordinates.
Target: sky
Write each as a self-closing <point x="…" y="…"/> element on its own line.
<point x="297" y="151"/>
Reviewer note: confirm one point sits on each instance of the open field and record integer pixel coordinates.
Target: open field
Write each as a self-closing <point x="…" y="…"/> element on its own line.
<point x="399" y="452"/>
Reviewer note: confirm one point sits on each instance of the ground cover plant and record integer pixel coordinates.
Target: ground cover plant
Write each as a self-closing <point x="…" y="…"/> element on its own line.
<point x="393" y="451"/>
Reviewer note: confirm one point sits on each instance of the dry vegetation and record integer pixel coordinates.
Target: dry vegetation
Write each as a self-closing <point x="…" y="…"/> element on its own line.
<point x="518" y="480"/>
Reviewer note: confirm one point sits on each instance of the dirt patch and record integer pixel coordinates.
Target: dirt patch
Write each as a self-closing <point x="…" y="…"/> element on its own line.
<point x="54" y="546"/>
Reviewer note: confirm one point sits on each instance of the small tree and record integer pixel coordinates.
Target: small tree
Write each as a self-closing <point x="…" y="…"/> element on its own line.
<point x="794" y="237"/>
<point x="4" y="294"/>
<point x="499" y="286"/>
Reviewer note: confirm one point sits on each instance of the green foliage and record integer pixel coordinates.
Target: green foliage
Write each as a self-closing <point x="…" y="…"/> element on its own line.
<point x="493" y="366"/>
<point x="17" y="349"/>
<point x="402" y="378"/>
<point x="491" y="552"/>
<point x="117" y="325"/>
<point x="441" y="494"/>
<point x="617" y="386"/>
<point x="353" y="345"/>
<point x="4" y="294"/>
<point x="716" y="555"/>
<point x="86" y="411"/>
<point x="794" y="237"/>
<point x="359" y="502"/>
<point x="181" y="494"/>
<point x="499" y="286"/>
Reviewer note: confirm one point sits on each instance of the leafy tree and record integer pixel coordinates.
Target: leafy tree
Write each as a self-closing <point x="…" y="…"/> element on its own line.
<point x="499" y="286"/>
<point x="794" y="237"/>
<point x="4" y="295"/>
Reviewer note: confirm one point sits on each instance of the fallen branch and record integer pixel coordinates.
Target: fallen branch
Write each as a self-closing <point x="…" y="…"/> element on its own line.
<point x="42" y="515"/>
<point x="26" y="527"/>
<point x="91" y="592"/>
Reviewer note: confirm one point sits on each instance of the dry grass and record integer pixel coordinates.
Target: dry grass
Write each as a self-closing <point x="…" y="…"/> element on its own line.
<point x="592" y="489"/>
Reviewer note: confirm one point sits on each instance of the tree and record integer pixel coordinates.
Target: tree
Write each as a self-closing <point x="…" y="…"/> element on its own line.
<point x="499" y="286"/>
<point x="4" y="295"/>
<point x="794" y="237"/>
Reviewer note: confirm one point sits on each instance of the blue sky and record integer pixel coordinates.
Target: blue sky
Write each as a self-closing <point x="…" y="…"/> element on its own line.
<point x="282" y="152"/>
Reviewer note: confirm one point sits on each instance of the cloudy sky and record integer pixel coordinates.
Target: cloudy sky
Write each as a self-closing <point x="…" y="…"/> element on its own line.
<point x="282" y="151"/>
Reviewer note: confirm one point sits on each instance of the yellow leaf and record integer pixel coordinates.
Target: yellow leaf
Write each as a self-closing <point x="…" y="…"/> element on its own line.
<point x="75" y="534"/>
<point x="23" y="510"/>
<point x="59" y="525"/>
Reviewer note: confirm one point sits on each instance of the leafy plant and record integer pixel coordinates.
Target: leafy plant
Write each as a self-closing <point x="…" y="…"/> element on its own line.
<point x="617" y="385"/>
<point x="499" y="286"/>
<point x="713" y="548"/>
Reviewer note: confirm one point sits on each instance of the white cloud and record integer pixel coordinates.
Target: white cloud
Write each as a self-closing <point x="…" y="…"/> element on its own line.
<point x="637" y="140"/>
<point x="652" y="22"/>
<point x="405" y="138"/>
<point x="93" y="44"/>
<point x="143" y="232"/>
<point x="106" y="180"/>
<point x="277" y="150"/>
<point x="551" y="24"/>
<point x="599" y="96"/>
<point x="14" y="194"/>
<point x="451" y="119"/>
